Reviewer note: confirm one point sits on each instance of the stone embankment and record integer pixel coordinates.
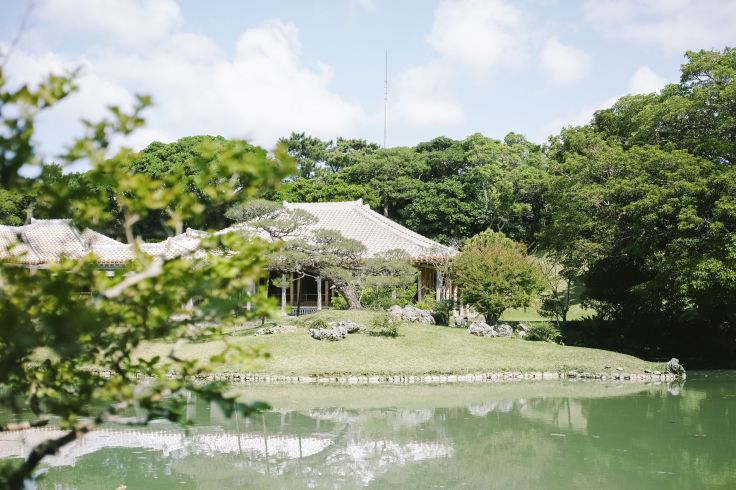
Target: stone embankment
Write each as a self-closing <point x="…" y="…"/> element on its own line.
<point x="251" y="378"/>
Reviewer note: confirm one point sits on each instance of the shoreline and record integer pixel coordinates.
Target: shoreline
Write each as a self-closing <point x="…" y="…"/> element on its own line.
<point x="433" y="379"/>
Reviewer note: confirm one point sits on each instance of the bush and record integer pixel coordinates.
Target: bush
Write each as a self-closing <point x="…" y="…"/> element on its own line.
<point x="384" y="326"/>
<point x="543" y="332"/>
<point x="380" y="298"/>
<point x="337" y="302"/>
<point x="318" y="323"/>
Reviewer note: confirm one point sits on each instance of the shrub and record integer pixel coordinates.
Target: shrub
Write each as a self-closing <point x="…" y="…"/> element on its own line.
<point x="543" y="332"/>
<point x="496" y="273"/>
<point x="337" y="302"/>
<point x="384" y="326"/>
<point x="380" y="298"/>
<point x="427" y="303"/>
<point x="318" y="323"/>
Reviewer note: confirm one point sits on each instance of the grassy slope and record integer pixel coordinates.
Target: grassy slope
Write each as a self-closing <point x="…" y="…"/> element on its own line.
<point x="420" y="349"/>
<point x="577" y="312"/>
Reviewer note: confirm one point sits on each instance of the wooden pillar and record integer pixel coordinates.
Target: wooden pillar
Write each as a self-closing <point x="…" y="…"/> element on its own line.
<point x="437" y="286"/>
<point x="283" y="293"/>
<point x="419" y="285"/>
<point x="319" y="293"/>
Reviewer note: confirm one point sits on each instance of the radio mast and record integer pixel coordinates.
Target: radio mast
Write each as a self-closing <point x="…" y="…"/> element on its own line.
<point x="385" y="101"/>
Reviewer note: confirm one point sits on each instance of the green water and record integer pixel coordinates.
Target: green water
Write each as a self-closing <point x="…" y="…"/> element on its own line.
<point x="515" y="435"/>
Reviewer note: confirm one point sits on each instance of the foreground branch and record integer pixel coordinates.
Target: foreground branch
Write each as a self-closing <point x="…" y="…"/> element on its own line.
<point x="17" y="478"/>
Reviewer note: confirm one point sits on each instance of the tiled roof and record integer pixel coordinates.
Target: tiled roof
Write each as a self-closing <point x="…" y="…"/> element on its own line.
<point x="358" y="221"/>
<point x="46" y="241"/>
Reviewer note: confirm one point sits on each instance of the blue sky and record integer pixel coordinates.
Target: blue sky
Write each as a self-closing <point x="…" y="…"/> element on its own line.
<point x="259" y="70"/>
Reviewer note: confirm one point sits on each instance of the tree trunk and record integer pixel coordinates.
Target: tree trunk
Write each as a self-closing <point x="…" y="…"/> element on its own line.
<point x="350" y="295"/>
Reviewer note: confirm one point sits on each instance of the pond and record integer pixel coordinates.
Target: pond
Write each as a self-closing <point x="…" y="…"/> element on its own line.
<point x="502" y="435"/>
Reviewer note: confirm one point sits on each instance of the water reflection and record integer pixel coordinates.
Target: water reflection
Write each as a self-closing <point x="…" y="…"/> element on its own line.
<point x="519" y="435"/>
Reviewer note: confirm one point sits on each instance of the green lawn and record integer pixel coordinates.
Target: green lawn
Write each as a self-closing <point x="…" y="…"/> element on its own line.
<point x="530" y="314"/>
<point x="419" y="349"/>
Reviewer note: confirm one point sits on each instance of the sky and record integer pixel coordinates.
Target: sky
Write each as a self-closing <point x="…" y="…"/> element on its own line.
<point x="260" y="70"/>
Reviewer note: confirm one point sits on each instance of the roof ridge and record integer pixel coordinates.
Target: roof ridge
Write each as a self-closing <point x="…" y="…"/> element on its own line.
<point x="53" y="221"/>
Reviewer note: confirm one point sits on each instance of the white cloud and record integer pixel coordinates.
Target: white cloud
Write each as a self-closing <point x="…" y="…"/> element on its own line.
<point x="261" y="92"/>
<point x="480" y="34"/>
<point x="422" y="99"/>
<point x="672" y="25"/>
<point x="564" y="63"/>
<point x="126" y="22"/>
<point x="645" y="81"/>
<point x="366" y="5"/>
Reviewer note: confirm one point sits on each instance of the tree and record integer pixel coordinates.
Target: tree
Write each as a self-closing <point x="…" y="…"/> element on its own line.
<point x="324" y="253"/>
<point x="183" y="161"/>
<point x="346" y="151"/>
<point x="496" y="273"/>
<point x="271" y="217"/>
<point x="393" y="174"/>
<point x="56" y="342"/>
<point x="653" y="230"/>
<point x="698" y="114"/>
<point x="326" y="188"/>
<point x="308" y="151"/>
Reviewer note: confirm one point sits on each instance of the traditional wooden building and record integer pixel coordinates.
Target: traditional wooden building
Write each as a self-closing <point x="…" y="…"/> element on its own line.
<point x="356" y="220"/>
<point x="43" y="242"/>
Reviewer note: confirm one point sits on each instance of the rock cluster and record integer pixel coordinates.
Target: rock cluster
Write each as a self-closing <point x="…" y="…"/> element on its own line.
<point x="482" y="329"/>
<point x="468" y="318"/>
<point x="521" y="330"/>
<point x="351" y="327"/>
<point x="674" y="367"/>
<point x="411" y="314"/>
<point x="273" y="329"/>
<point x="332" y="333"/>
<point x="336" y="330"/>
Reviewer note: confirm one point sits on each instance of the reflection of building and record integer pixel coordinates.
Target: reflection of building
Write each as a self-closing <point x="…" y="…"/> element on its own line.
<point x="43" y="242"/>
<point x="342" y="452"/>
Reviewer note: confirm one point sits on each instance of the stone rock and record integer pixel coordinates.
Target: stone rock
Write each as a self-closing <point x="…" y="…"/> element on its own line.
<point x="331" y="333"/>
<point x="521" y="330"/>
<point x="504" y="330"/>
<point x="274" y="329"/>
<point x="674" y="367"/>
<point x="348" y="325"/>
<point x="411" y="313"/>
<point x="482" y="329"/>
<point x="469" y="317"/>
<point x="396" y="310"/>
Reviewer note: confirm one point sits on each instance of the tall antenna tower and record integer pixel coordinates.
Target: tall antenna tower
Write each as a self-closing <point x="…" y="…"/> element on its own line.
<point x="385" y="101"/>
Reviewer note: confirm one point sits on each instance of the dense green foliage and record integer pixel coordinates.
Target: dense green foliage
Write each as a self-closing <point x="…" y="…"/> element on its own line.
<point x="384" y="325"/>
<point x="63" y="325"/>
<point x="445" y="189"/>
<point x="643" y="210"/>
<point x="543" y="332"/>
<point x="496" y="273"/>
